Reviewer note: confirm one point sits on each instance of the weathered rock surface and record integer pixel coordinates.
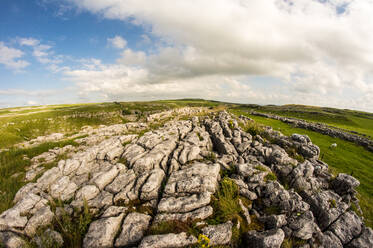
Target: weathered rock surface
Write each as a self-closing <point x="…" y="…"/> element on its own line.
<point x="219" y="234"/>
<point x="198" y="214"/>
<point x="171" y="175"/>
<point x="11" y="240"/>
<point x="133" y="229"/>
<point x="101" y="233"/>
<point x="365" y="240"/>
<point x="170" y="240"/>
<point x="268" y="239"/>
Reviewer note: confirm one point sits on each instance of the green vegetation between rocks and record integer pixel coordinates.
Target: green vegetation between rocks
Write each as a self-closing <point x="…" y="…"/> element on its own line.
<point x="13" y="164"/>
<point x="346" y="158"/>
<point x="225" y="203"/>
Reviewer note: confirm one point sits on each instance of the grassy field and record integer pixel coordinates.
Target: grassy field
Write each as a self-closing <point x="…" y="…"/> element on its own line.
<point x="28" y="123"/>
<point x="22" y="124"/>
<point x="357" y="121"/>
<point x="347" y="157"/>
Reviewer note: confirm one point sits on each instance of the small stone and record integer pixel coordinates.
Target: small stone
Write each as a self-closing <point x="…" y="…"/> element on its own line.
<point x="49" y="238"/>
<point x="42" y="217"/>
<point x="185" y="203"/>
<point x="87" y="192"/>
<point x="330" y="240"/>
<point x="149" y="190"/>
<point x="200" y="214"/>
<point x="274" y="221"/>
<point x="170" y="240"/>
<point x="11" y="240"/>
<point x="347" y="227"/>
<point x="106" y="177"/>
<point x="219" y="234"/>
<point x="63" y="189"/>
<point x="113" y="211"/>
<point x="133" y="229"/>
<point x="267" y="239"/>
<point x="365" y="240"/>
<point x="344" y="183"/>
<point x="101" y="233"/>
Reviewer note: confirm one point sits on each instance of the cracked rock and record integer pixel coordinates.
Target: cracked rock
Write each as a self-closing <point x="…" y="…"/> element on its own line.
<point x="201" y="214"/>
<point x="347" y="227"/>
<point x="184" y="204"/>
<point x="133" y="229"/>
<point x="41" y="218"/>
<point x="268" y="239"/>
<point x="219" y="234"/>
<point x="365" y="240"/>
<point x="170" y="240"/>
<point x="101" y="233"/>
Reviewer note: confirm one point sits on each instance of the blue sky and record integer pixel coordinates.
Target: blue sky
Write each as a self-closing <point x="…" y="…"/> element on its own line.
<point x="267" y="52"/>
<point x="76" y="35"/>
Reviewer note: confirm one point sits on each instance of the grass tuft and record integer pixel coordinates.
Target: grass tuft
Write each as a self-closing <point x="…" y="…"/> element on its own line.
<point x="72" y="228"/>
<point x="225" y="203"/>
<point x="270" y="177"/>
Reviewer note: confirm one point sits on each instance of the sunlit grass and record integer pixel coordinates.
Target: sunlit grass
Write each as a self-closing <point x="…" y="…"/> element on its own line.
<point x="13" y="161"/>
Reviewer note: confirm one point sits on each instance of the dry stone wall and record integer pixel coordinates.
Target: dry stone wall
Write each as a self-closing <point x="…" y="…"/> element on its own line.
<point x="323" y="129"/>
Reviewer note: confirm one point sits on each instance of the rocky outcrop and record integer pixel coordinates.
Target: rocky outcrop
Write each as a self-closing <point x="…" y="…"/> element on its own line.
<point x="136" y="187"/>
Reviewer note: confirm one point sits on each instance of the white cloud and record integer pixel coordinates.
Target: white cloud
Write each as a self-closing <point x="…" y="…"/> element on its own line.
<point x="28" y="42"/>
<point x="41" y="51"/>
<point x="117" y="42"/>
<point x="10" y="57"/>
<point x="129" y="57"/>
<point x="314" y="50"/>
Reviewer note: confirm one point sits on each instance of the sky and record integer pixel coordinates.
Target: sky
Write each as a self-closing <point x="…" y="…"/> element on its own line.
<point x="314" y="52"/>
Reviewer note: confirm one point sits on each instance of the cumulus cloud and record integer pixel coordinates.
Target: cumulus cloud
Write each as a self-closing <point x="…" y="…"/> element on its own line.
<point x="314" y="49"/>
<point x="117" y="42"/>
<point x="10" y="57"/>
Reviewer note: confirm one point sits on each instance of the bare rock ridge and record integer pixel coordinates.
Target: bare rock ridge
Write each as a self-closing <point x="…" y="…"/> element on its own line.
<point x="133" y="184"/>
<point x="323" y="129"/>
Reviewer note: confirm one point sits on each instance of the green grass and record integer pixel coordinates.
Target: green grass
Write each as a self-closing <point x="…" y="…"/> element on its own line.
<point x="225" y="204"/>
<point x="20" y="128"/>
<point x="72" y="228"/>
<point x="28" y="123"/>
<point x="351" y="120"/>
<point x="270" y="177"/>
<point x="13" y="161"/>
<point x="347" y="158"/>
